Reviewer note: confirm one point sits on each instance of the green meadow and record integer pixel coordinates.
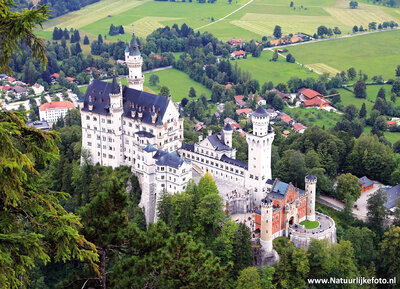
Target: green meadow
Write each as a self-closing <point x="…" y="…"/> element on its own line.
<point x="177" y="81"/>
<point x="313" y="116"/>
<point x="264" y="70"/>
<point x="348" y="97"/>
<point x="374" y="54"/>
<point x="253" y="21"/>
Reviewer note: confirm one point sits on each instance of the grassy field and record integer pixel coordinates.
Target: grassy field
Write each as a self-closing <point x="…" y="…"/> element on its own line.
<point x="372" y="90"/>
<point x="365" y="52"/>
<point x="252" y="22"/>
<point x="264" y="70"/>
<point x="177" y="81"/>
<point x="310" y="224"/>
<point x="390" y="136"/>
<point x="313" y="116"/>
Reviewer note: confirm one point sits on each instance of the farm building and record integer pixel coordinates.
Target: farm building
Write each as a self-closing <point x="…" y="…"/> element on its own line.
<point x="246" y="112"/>
<point x="366" y="184"/>
<point x="299" y="127"/>
<point x="238" y="54"/>
<point x="239" y="101"/>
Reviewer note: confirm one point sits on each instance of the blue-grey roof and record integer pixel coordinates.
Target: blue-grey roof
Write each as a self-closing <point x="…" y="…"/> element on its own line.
<point x="280" y="187"/>
<point x="365" y="181"/>
<point x="276" y="195"/>
<point x="227" y="127"/>
<point x="260" y="112"/>
<point x="133" y="47"/>
<point x="392" y="195"/>
<point x="188" y="147"/>
<point x="98" y="94"/>
<point x="234" y="162"/>
<point x="266" y="200"/>
<point x="143" y="133"/>
<point x="301" y="192"/>
<point x="172" y="159"/>
<point x="43" y="125"/>
<point x="310" y="177"/>
<point x="217" y="142"/>
<point x="149" y="148"/>
<point x="115" y="86"/>
<point x="257" y="212"/>
<point x="270" y="182"/>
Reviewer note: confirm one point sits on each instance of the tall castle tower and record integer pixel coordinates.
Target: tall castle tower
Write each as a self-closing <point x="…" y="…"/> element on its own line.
<point x="116" y="109"/>
<point x="134" y="61"/>
<point x="266" y="224"/>
<point x="260" y="145"/>
<point x="311" y="186"/>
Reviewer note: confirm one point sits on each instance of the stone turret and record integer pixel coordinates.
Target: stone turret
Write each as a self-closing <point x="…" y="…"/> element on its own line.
<point x="266" y="224"/>
<point x="227" y="133"/>
<point x="134" y="61"/>
<point x="310" y="188"/>
<point x="115" y="95"/>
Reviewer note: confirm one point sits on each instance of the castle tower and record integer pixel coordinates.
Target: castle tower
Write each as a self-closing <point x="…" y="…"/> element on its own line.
<point x="134" y="61"/>
<point x="116" y="110"/>
<point x="311" y="186"/>
<point x="260" y="145"/>
<point x="266" y="224"/>
<point x="228" y="135"/>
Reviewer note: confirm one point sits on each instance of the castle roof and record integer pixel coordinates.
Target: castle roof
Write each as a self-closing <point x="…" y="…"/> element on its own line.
<point x="149" y="148"/>
<point x="217" y="142"/>
<point x="172" y="159"/>
<point x="98" y="94"/>
<point x="310" y="177"/>
<point x="280" y="187"/>
<point x="115" y="86"/>
<point x="234" y="162"/>
<point x="260" y="112"/>
<point x="188" y="147"/>
<point x="133" y="48"/>
<point x="227" y="127"/>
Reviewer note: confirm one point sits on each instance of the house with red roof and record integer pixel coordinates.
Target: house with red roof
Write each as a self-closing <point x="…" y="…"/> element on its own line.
<point x="246" y="112"/>
<point x="316" y="101"/>
<point x="286" y="119"/>
<point x="229" y="85"/>
<point x="284" y="96"/>
<point x="10" y="79"/>
<point x="235" y="42"/>
<point x="238" y="54"/>
<point x="70" y="79"/>
<point x="239" y="101"/>
<point x="309" y="94"/>
<point x="260" y="101"/>
<point x="236" y="126"/>
<point x="52" y="111"/>
<point x="299" y="127"/>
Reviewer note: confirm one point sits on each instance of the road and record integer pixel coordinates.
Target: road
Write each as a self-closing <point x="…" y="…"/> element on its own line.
<point x="226" y="16"/>
<point x="332" y="38"/>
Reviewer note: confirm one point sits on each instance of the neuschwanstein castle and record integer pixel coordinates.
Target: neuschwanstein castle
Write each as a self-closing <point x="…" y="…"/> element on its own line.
<point x="127" y="126"/>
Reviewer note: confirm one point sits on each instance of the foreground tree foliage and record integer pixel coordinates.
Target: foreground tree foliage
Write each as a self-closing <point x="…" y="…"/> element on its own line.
<point x="34" y="226"/>
<point x="16" y="27"/>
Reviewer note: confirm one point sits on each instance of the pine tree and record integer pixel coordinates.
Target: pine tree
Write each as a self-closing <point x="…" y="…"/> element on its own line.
<point x="86" y="40"/>
<point x="34" y="226"/>
<point x="192" y="92"/>
<point x="363" y="111"/>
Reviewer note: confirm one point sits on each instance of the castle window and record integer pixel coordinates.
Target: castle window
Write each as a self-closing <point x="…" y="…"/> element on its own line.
<point x="94" y="118"/>
<point x="94" y="99"/>
<point x="99" y="92"/>
<point x="150" y="109"/>
<point x="92" y="90"/>
<point x="108" y="101"/>
<point x="101" y="100"/>
<point x="87" y="117"/>
<point x="130" y="103"/>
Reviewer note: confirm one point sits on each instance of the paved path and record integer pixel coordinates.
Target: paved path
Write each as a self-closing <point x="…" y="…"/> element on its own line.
<point x="332" y="38"/>
<point x="241" y="7"/>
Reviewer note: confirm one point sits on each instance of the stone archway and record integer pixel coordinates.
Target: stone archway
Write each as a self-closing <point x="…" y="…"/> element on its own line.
<point x="291" y="221"/>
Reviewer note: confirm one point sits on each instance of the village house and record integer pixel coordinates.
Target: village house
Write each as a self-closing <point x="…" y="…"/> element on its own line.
<point x="284" y="96"/>
<point x="3" y="76"/>
<point x="41" y="125"/>
<point x="306" y="93"/>
<point x="393" y="194"/>
<point x="365" y="184"/>
<point x="286" y="133"/>
<point x="286" y="119"/>
<point x="229" y="85"/>
<point x="238" y="54"/>
<point x="52" y="111"/>
<point x="272" y="113"/>
<point x="37" y="88"/>
<point x="199" y="126"/>
<point x="228" y="121"/>
<point x="246" y="112"/>
<point x="260" y="101"/>
<point x="19" y="90"/>
<point x="299" y="127"/>
<point x="239" y="101"/>
<point x="235" y="42"/>
<point x="71" y="79"/>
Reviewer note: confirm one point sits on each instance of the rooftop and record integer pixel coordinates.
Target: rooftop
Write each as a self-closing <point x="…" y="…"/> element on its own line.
<point x="57" y="105"/>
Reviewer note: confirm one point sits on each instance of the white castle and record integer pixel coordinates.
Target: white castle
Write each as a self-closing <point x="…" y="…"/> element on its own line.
<point x="127" y="126"/>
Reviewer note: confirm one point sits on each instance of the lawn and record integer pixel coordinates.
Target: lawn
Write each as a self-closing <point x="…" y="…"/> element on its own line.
<point x="177" y="81"/>
<point x="264" y="70"/>
<point x="348" y="98"/>
<point x="310" y="224"/>
<point x="313" y="116"/>
<point x="365" y="52"/>
<point x="390" y="136"/>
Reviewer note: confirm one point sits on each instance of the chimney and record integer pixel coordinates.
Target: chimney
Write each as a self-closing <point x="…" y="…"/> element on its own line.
<point x="200" y="138"/>
<point x="209" y="132"/>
